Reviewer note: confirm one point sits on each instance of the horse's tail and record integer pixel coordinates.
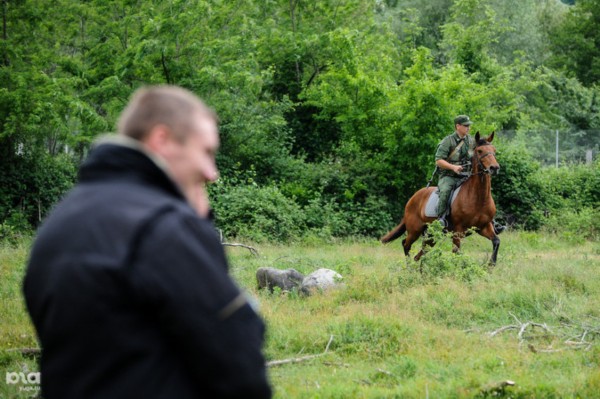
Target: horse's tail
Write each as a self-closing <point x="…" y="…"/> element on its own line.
<point x="394" y="233"/>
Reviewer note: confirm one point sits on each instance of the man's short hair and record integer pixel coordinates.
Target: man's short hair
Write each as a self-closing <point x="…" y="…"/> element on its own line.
<point x="172" y="106"/>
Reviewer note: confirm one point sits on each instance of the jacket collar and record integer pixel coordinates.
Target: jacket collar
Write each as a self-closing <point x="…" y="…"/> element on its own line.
<point x="122" y="158"/>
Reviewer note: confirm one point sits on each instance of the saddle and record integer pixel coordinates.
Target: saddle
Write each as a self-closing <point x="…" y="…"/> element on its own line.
<point x="434" y="198"/>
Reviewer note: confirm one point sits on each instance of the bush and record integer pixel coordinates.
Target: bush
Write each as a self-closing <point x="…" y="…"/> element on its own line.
<point x="352" y="218"/>
<point x="519" y="197"/>
<point x="257" y="213"/>
<point x="440" y="262"/>
<point x="571" y="187"/>
<point x="30" y="184"/>
<point x="265" y="213"/>
<point x="575" y="225"/>
<point x="14" y="228"/>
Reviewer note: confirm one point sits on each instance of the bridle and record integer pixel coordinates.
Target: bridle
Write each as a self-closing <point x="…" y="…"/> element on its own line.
<point x="482" y="169"/>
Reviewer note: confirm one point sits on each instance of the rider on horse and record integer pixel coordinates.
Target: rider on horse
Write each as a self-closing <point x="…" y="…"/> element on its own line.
<point x="453" y="157"/>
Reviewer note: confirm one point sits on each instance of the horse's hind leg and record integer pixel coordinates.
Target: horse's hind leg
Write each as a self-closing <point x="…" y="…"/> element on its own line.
<point x="407" y="243"/>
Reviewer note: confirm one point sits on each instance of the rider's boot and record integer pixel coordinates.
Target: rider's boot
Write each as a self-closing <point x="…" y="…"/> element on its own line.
<point x="443" y="222"/>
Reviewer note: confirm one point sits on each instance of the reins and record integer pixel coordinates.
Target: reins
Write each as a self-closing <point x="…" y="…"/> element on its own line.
<point x="482" y="169"/>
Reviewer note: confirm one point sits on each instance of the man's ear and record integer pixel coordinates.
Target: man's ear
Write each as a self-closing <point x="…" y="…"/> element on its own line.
<point x="157" y="138"/>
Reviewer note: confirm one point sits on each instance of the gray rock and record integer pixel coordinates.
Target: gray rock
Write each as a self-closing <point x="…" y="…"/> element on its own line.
<point x="321" y="279"/>
<point x="268" y="277"/>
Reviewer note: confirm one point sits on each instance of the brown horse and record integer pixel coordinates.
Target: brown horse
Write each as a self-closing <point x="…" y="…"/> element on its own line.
<point x="473" y="207"/>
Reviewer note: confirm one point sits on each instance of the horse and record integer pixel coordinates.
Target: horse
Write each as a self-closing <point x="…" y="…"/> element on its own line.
<point x="473" y="207"/>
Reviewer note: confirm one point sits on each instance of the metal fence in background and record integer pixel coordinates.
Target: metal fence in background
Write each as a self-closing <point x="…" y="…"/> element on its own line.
<point x="557" y="147"/>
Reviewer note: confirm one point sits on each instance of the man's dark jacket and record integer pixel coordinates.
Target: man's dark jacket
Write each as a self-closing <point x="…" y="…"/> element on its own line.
<point x="130" y="296"/>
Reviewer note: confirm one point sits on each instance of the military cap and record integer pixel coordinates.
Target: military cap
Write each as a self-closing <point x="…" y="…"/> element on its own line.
<point x="462" y="120"/>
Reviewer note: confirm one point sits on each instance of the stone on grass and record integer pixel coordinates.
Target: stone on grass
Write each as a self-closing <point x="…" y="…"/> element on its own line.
<point x="286" y="280"/>
<point x="322" y="279"/>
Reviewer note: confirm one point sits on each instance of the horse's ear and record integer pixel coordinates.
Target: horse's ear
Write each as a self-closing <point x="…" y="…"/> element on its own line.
<point x="491" y="137"/>
<point x="477" y="137"/>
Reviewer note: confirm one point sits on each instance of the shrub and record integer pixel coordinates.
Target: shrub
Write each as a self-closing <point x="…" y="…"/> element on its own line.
<point x="14" y="228"/>
<point x="575" y="225"/>
<point x="257" y="213"/>
<point x="572" y="186"/>
<point x="440" y="262"/>
<point x="519" y="197"/>
<point x="30" y="184"/>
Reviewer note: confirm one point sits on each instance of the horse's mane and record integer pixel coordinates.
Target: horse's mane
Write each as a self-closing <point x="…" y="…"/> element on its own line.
<point x="482" y="142"/>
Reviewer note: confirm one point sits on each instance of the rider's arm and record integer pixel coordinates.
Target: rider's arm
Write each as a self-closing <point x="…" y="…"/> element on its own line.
<point x="443" y="164"/>
<point x="442" y="153"/>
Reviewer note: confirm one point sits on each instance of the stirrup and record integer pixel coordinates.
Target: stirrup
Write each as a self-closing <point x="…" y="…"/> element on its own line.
<point x="443" y="222"/>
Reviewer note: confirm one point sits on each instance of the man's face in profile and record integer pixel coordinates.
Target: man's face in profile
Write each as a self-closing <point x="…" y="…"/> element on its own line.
<point x="199" y="150"/>
<point x="192" y="159"/>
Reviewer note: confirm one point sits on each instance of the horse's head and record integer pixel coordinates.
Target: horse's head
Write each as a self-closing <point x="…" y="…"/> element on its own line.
<point x="485" y="154"/>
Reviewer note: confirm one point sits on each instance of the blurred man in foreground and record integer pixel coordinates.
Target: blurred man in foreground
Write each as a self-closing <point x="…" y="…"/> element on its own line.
<point x="127" y="283"/>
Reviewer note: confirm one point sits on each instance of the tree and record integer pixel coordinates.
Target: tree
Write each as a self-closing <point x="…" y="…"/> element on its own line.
<point x="576" y="42"/>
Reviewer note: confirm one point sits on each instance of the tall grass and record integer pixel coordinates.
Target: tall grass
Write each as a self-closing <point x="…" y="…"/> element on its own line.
<point x="16" y="331"/>
<point x="401" y="333"/>
<point x="405" y="330"/>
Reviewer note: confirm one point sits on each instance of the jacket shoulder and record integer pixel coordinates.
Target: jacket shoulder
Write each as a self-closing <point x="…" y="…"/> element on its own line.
<point x="444" y="147"/>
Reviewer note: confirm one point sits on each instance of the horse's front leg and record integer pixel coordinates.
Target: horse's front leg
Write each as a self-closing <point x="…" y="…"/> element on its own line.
<point x="428" y="242"/>
<point x="488" y="232"/>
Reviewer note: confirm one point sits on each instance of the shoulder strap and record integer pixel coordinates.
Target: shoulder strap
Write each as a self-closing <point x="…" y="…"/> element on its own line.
<point x="455" y="150"/>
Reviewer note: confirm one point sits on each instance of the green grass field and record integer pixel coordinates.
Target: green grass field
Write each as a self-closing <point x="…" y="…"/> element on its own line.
<point x="400" y="332"/>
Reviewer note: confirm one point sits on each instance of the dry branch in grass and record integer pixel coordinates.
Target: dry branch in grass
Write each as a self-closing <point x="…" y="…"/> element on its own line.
<point x="301" y="358"/>
<point x="571" y="342"/>
<point x="27" y="352"/>
<point x="37" y="351"/>
<point x="252" y="250"/>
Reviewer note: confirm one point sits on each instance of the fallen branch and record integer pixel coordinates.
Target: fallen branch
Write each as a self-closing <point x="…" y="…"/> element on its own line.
<point x="382" y="371"/>
<point x="530" y="323"/>
<point x="252" y="250"/>
<point x="568" y="339"/>
<point x="502" y="329"/>
<point x="248" y="247"/>
<point x="300" y="359"/>
<point x="31" y="352"/>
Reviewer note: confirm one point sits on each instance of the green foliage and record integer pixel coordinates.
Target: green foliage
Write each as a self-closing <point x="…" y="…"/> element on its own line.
<point x="520" y="198"/>
<point x="473" y="30"/>
<point x="573" y="187"/>
<point x="31" y="183"/>
<point x="337" y="106"/>
<point x="262" y="213"/>
<point x="258" y="213"/>
<point x="572" y="199"/>
<point x="575" y="42"/>
<point x="439" y="261"/>
<point x="530" y="196"/>
<point x="397" y="333"/>
<point x="575" y="225"/>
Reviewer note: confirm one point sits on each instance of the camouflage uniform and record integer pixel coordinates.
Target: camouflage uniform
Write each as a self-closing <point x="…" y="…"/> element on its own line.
<point x="449" y="179"/>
